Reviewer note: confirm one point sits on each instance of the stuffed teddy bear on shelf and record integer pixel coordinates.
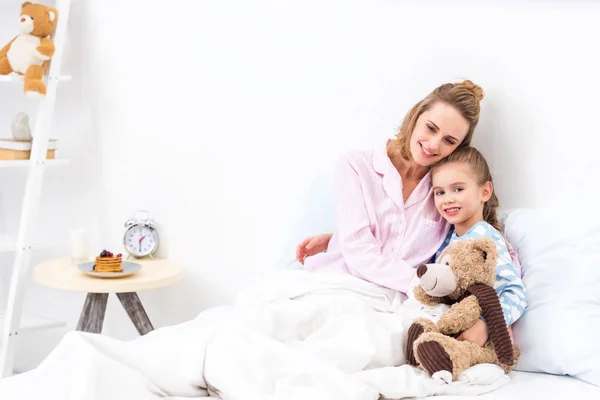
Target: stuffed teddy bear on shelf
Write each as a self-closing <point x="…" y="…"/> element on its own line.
<point x="29" y="52"/>
<point x="464" y="279"/>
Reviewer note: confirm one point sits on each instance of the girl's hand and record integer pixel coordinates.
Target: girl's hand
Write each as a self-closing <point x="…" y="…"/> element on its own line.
<point x="478" y="333"/>
<point x="312" y="245"/>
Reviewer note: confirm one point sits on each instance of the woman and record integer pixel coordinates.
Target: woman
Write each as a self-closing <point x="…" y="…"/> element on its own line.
<point x="386" y="221"/>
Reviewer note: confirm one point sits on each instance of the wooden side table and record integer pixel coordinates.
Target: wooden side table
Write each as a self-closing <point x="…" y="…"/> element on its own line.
<point x="64" y="274"/>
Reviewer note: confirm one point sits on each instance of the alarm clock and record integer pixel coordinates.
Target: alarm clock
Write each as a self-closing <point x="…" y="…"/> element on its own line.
<point x="141" y="237"/>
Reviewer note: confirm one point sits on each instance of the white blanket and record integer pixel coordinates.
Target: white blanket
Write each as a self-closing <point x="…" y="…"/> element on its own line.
<point x="295" y="336"/>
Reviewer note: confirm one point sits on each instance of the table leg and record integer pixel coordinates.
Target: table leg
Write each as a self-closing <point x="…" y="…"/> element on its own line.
<point x="133" y="306"/>
<point x="92" y="314"/>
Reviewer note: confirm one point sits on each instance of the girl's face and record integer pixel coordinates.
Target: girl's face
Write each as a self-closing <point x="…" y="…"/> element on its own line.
<point x="438" y="131"/>
<point x="458" y="197"/>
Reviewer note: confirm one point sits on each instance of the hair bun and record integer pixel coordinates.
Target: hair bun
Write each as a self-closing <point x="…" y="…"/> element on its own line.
<point x="476" y="89"/>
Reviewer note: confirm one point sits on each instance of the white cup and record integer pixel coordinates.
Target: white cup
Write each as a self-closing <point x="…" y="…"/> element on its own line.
<point x="80" y="244"/>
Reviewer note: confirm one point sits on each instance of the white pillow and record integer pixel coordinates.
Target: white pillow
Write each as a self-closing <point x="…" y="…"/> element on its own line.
<point x="559" y="251"/>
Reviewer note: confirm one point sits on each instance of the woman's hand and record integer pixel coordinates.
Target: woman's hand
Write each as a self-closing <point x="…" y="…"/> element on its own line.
<point x="312" y="245"/>
<point x="477" y="333"/>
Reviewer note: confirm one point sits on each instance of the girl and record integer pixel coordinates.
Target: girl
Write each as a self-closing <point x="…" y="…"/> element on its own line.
<point x="464" y="196"/>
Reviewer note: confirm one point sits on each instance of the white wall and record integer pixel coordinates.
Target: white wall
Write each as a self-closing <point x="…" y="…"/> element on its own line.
<point x="223" y="118"/>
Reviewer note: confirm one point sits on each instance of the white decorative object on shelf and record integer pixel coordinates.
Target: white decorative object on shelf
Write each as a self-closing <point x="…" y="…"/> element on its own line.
<point x="21" y="144"/>
<point x="20" y="127"/>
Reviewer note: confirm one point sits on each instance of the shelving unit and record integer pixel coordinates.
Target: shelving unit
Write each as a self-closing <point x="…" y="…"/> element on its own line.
<point x="8" y="246"/>
<point x="12" y="322"/>
<point x="27" y="163"/>
<point x="19" y="78"/>
<point x="30" y="323"/>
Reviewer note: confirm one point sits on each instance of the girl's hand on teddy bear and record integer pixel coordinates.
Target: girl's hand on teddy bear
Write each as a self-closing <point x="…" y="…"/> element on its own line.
<point x="512" y="341"/>
<point x="478" y="333"/>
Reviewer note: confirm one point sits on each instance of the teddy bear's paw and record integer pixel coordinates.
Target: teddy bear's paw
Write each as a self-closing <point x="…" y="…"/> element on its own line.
<point x="509" y="367"/>
<point x="420" y="326"/>
<point x="434" y="357"/>
<point x="42" y="56"/>
<point x="427" y="324"/>
<point x="442" y="376"/>
<point x="413" y="334"/>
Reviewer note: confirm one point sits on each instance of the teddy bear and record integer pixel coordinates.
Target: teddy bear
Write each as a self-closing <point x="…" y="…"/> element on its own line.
<point x="29" y="52"/>
<point x="463" y="278"/>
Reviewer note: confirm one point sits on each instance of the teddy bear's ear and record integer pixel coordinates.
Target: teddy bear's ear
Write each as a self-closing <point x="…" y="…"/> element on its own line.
<point x="52" y="15"/>
<point x="488" y="248"/>
<point x="25" y="4"/>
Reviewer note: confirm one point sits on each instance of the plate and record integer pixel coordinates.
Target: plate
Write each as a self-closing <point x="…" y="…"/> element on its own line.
<point x="129" y="268"/>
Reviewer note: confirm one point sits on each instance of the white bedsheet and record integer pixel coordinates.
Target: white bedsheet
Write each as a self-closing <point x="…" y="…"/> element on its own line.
<point x="294" y="336"/>
<point x="533" y="386"/>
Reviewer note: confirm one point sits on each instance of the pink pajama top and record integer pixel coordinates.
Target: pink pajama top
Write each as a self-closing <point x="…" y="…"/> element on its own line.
<point x="378" y="237"/>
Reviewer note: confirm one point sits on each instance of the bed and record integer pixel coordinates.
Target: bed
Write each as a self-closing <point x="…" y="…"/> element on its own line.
<point x="523" y="386"/>
<point x="324" y="336"/>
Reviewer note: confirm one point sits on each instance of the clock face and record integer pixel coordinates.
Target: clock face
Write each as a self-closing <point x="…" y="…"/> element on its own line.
<point x="140" y="240"/>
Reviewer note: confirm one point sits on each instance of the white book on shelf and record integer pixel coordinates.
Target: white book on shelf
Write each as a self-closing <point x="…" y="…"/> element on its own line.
<point x="23" y="145"/>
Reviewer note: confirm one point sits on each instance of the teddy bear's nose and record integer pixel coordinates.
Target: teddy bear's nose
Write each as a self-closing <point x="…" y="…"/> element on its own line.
<point x="23" y="19"/>
<point x="421" y="270"/>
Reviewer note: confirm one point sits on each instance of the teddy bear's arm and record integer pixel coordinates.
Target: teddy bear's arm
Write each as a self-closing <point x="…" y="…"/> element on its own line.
<point x="45" y="50"/>
<point x="461" y="316"/>
<point x="424" y="298"/>
<point x="5" y="49"/>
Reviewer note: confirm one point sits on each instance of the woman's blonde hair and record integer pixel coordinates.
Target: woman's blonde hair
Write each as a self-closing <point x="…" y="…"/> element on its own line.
<point x="476" y="161"/>
<point x="465" y="96"/>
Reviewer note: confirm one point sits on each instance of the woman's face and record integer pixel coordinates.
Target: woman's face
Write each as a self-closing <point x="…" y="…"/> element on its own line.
<point x="437" y="133"/>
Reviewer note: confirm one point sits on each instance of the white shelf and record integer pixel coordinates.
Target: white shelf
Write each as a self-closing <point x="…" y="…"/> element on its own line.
<point x="8" y="245"/>
<point x="19" y="78"/>
<point x="26" y="163"/>
<point x="31" y="324"/>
